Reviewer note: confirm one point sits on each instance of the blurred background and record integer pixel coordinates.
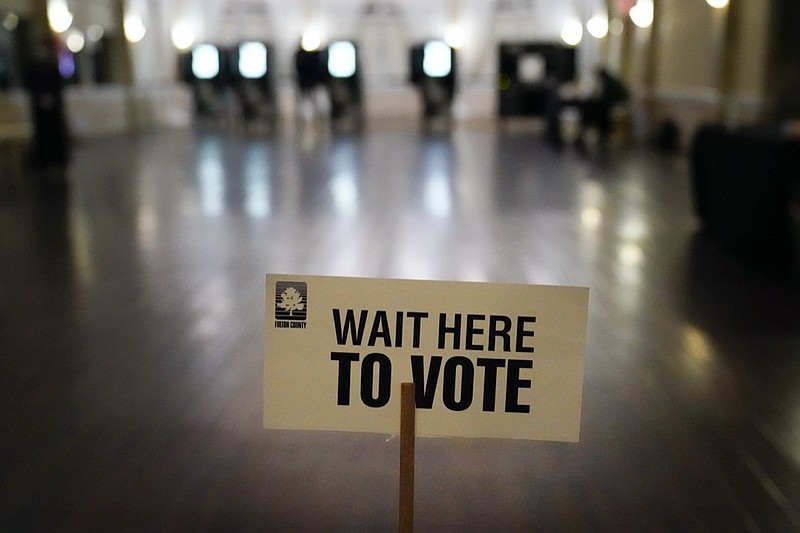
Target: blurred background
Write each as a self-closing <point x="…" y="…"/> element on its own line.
<point x="158" y="157"/>
<point x="125" y="63"/>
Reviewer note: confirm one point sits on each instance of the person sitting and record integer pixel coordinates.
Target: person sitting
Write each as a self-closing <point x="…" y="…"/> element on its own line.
<point x="597" y="110"/>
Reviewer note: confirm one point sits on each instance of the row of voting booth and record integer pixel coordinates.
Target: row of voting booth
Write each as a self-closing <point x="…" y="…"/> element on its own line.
<point x="212" y="70"/>
<point x="527" y="72"/>
<point x="245" y="70"/>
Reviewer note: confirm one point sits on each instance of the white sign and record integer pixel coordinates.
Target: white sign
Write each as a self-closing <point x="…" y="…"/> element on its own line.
<point x="487" y="360"/>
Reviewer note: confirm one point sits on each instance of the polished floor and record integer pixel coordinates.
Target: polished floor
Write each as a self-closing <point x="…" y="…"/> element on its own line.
<point x="131" y="334"/>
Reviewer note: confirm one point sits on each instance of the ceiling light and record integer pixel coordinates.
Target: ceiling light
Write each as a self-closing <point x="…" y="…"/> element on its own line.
<point x="572" y="33"/>
<point x="597" y="26"/>
<point x="642" y="13"/>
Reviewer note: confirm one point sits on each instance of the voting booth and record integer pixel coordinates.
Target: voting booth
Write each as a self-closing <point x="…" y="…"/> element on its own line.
<point x="433" y="73"/>
<point x="530" y="74"/>
<point x="252" y="77"/>
<point x="344" y="80"/>
<point x="205" y="69"/>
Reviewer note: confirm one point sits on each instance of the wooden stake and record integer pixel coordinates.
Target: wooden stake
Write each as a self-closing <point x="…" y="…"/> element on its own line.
<point x="408" y="428"/>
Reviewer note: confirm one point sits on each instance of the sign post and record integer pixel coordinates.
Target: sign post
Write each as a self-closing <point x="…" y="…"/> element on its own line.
<point x="407" y="439"/>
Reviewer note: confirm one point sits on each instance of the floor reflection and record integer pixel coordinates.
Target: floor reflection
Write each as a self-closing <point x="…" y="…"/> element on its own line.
<point x="257" y="172"/>
<point x="436" y="171"/>
<point x="344" y="183"/>
<point x="210" y="175"/>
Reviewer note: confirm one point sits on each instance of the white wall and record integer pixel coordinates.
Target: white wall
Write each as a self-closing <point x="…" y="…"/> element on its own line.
<point x="690" y="85"/>
<point x="386" y="33"/>
<point x="154" y="57"/>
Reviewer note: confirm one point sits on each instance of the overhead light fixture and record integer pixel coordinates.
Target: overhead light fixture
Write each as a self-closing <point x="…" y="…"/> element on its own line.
<point x="134" y="28"/>
<point x="642" y="13"/>
<point x="11" y="21"/>
<point x="572" y="32"/>
<point x="75" y="41"/>
<point x="311" y="40"/>
<point x="58" y="15"/>
<point x="454" y="36"/>
<point x="95" y="32"/>
<point x="182" y="36"/>
<point x="616" y="27"/>
<point x="597" y="26"/>
<point x="717" y="4"/>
